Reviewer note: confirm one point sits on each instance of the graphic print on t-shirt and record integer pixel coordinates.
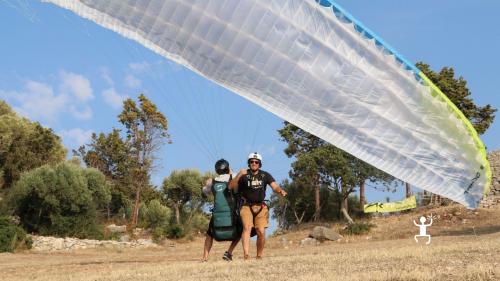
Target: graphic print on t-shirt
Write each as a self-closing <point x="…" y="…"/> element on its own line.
<point x="255" y="183"/>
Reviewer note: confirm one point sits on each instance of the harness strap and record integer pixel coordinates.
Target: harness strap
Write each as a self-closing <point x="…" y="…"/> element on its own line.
<point x="250" y="204"/>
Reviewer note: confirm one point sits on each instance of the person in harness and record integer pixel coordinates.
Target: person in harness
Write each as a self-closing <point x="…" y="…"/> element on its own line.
<point x="251" y="184"/>
<point x="225" y="224"/>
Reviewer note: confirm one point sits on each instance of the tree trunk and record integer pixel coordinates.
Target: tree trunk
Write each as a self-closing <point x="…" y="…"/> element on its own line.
<point x="282" y="218"/>
<point x="343" y="209"/>
<point x="297" y="219"/>
<point x="317" y="209"/>
<point x="177" y="214"/>
<point x="344" y="204"/>
<point x="195" y="208"/>
<point x="362" y="198"/>
<point x="135" y="213"/>
<point x="408" y="190"/>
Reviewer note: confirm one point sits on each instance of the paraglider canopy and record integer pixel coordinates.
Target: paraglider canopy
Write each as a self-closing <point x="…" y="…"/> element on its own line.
<point x="314" y="65"/>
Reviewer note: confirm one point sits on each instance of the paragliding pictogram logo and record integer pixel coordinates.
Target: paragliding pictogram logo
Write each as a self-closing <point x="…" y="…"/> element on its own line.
<point x="423" y="229"/>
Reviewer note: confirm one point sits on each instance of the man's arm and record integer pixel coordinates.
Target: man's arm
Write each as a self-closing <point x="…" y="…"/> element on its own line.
<point x="233" y="184"/>
<point x="276" y="188"/>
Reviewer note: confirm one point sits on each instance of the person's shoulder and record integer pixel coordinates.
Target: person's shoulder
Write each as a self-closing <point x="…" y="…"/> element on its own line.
<point x="265" y="173"/>
<point x="267" y="176"/>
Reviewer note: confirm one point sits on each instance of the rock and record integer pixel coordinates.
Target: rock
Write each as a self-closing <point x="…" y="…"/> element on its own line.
<point x="322" y="233"/>
<point x="112" y="228"/>
<point x="309" y="242"/>
<point x="284" y="242"/>
<point x="58" y="244"/>
<point x="492" y="200"/>
<point x="41" y="243"/>
<point x="137" y="232"/>
<point x="125" y="238"/>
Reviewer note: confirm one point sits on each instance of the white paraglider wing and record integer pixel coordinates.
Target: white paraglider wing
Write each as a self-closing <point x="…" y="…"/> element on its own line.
<point x="315" y="66"/>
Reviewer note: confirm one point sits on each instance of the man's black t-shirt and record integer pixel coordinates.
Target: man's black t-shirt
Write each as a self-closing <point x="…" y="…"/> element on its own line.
<point x="253" y="187"/>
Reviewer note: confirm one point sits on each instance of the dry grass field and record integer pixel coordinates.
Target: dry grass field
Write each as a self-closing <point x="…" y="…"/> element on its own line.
<point x="465" y="246"/>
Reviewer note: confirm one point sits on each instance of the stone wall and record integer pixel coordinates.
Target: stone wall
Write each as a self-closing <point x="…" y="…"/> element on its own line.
<point x="44" y="243"/>
<point x="493" y="198"/>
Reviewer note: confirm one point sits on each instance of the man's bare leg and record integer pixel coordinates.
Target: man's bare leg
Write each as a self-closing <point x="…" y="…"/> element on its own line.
<point x="245" y="239"/>
<point x="208" y="246"/>
<point x="261" y="240"/>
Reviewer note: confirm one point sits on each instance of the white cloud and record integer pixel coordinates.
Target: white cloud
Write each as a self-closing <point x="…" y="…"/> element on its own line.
<point x="41" y="102"/>
<point x="84" y="113"/>
<point x="75" y="137"/>
<point x="112" y="98"/>
<point x="140" y="67"/>
<point x="37" y="101"/>
<point x="76" y="85"/>
<point x="132" y="82"/>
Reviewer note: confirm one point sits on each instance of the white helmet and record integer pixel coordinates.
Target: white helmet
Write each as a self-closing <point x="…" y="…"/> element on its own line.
<point x="255" y="155"/>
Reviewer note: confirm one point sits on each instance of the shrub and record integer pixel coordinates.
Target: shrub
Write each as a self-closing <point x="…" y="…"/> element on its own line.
<point x="175" y="231"/>
<point x="358" y="228"/>
<point x="12" y="237"/>
<point x="199" y="222"/>
<point x="62" y="201"/>
<point x="158" y="234"/>
<point x="155" y="215"/>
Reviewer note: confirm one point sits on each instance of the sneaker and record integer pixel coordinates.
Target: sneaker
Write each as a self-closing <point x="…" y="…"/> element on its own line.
<point x="227" y="256"/>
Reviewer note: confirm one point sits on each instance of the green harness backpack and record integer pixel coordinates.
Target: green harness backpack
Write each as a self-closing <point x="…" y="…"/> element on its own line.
<point x="225" y="223"/>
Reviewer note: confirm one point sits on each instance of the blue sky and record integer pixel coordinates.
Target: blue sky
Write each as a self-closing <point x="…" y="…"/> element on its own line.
<point x="71" y="75"/>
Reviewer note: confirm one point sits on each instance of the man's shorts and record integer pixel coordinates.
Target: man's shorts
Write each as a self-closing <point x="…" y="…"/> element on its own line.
<point x="260" y="220"/>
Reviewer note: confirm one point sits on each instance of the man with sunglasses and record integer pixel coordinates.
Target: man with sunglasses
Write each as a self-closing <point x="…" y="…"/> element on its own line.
<point x="251" y="184"/>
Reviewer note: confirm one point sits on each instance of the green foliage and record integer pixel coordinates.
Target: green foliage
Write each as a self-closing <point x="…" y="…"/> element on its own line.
<point x="175" y="231"/>
<point x="298" y="206"/>
<point x="321" y="165"/>
<point x="63" y="200"/>
<point x="113" y="157"/>
<point x="199" y="222"/>
<point x="154" y="215"/>
<point x="158" y="234"/>
<point x="129" y="160"/>
<point x="358" y="228"/>
<point x="12" y="237"/>
<point x="1" y="179"/>
<point x="183" y="187"/>
<point x="25" y="145"/>
<point x="457" y="91"/>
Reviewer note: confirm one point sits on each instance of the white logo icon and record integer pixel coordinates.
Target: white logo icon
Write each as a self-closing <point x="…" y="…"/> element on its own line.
<point x="423" y="229"/>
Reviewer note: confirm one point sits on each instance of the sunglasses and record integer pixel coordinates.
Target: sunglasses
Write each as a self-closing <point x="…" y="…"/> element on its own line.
<point x="254" y="162"/>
